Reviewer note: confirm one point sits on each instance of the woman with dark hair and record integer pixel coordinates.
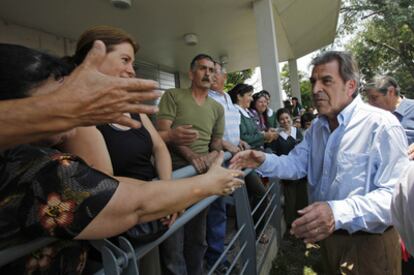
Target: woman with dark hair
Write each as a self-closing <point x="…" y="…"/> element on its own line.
<point x="48" y="193"/>
<point x="241" y="96"/>
<point x="295" y="191"/>
<point x="297" y="109"/>
<point x="265" y="117"/>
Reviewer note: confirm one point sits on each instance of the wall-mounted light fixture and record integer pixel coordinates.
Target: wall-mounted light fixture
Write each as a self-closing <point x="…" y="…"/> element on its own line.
<point x="190" y="39"/>
<point x="122" y="4"/>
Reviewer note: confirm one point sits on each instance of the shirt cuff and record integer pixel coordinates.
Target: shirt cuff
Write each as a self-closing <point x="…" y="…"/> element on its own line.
<point x="342" y="213"/>
<point x="267" y="166"/>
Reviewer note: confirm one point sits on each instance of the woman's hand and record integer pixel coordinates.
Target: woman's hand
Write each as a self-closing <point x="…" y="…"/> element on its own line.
<point x="223" y="181"/>
<point x="270" y="136"/>
<point x="170" y="219"/>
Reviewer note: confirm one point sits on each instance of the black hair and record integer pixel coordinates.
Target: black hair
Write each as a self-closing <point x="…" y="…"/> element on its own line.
<point x="239" y="89"/>
<point x="265" y="93"/>
<point x="199" y="57"/>
<point x="306" y="117"/>
<point x="282" y="111"/>
<point x="22" y="68"/>
<point x="256" y="97"/>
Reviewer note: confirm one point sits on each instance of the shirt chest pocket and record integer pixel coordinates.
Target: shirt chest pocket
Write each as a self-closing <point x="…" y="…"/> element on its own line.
<point x="352" y="168"/>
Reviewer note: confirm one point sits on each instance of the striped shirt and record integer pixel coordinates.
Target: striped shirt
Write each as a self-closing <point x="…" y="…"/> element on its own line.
<point x="231" y="117"/>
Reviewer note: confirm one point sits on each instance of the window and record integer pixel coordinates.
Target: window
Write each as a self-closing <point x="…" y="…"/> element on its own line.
<point x="167" y="80"/>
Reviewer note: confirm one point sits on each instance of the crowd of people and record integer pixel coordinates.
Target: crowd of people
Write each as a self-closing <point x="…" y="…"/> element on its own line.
<point x="79" y="155"/>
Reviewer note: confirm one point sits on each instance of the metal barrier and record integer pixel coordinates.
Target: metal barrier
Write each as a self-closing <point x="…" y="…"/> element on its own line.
<point x="124" y="257"/>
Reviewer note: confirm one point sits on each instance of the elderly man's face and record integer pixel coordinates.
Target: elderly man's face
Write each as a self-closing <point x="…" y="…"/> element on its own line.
<point x="219" y="79"/>
<point x="330" y="94"/>
<point x="378" y="99"/>
<point x="202" y="75"/>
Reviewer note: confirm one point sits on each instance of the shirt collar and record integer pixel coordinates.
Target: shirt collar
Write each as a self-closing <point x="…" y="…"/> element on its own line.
<point x="402" y="108"/>
<point x="344" y="117"/>
<point x="285" y="135"/>
<point x="243" y="111"/>
<point x="215" y="93"/>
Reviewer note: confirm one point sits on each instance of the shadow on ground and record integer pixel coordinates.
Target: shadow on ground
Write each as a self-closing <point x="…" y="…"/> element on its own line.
<point x="296" y="258"/>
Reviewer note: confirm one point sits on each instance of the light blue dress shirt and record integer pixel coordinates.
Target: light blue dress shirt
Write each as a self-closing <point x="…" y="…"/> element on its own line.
<point x="354" y="168"/>
<point x="405" y="114"/>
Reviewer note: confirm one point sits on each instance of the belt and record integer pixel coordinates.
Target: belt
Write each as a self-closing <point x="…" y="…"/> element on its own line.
<point x="359" y="233"/>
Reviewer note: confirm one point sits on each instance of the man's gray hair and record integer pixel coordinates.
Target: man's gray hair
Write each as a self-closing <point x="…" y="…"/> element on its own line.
<point x="348" y="68"/>
<point x="381" y="84"/>
<point x="222" y="69"/>
<point x="198" y="57"/>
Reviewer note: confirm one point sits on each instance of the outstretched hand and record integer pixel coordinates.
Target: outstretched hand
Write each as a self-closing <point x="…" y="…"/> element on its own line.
<point x="223" y="181"/>
<point x="247" y="159"/>
<point x="89" y="97"/>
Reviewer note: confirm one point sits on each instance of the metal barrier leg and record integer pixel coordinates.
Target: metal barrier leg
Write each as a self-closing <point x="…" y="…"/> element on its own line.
<point x="248" y="235"/>
<point x="132" y="267"/>
<point x="277" y="218"/>
<point x="113" y="258"/>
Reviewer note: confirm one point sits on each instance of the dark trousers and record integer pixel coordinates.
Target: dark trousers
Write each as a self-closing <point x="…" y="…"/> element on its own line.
<point x="216" y="230"/>
<point x="362" y="254"/>
<point x="296" y="198"/>
<point x="183" y="252"/>
<point x="256" y="191"/>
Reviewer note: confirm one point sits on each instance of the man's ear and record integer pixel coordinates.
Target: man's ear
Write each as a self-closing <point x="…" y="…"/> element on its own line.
<point x="351" y="86"/>
<point x="190" y="75"/>
<point x="391" y="90"/>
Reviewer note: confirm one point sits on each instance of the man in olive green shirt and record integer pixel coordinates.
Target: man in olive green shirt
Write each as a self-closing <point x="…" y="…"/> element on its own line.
<point x="193" y="107"/>
<point x="192" y="110"/>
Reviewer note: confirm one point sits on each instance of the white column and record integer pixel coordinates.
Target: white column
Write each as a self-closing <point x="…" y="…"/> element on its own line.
<point x="267" y="46"/>
<point x="294" y="79"/>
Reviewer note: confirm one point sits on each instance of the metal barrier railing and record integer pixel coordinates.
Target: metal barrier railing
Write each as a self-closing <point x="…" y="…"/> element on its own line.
<point x="123" y="258"/>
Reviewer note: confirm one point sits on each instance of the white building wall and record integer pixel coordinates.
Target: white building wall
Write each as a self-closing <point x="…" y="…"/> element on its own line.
<point x="15" y="34"/>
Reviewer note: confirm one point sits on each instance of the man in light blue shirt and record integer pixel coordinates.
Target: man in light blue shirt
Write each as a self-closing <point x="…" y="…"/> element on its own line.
<point x="384" y="93"/>
<point x="352" y="155"/>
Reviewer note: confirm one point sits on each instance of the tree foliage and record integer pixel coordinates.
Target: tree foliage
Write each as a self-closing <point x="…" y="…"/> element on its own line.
<point x="304" y="83"/>
<point x="384" y="39"/>
<point x="237" y="77"/>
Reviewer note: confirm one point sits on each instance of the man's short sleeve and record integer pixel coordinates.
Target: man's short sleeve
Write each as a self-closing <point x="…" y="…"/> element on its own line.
<point x="218" y="130"/>
<point x="167" y="106"/>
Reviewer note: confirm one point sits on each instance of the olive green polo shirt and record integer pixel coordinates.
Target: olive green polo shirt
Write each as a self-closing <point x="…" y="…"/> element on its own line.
<point x="179" y="106"/>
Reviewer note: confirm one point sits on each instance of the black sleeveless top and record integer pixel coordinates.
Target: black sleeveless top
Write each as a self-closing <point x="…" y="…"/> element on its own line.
<point x="130" y="151"/>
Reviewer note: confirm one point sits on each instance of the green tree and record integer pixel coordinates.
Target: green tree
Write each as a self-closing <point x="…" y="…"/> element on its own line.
<point x="384" y="42"/>
<point x="237" y="77"/>
<point x="304" y="84"/>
